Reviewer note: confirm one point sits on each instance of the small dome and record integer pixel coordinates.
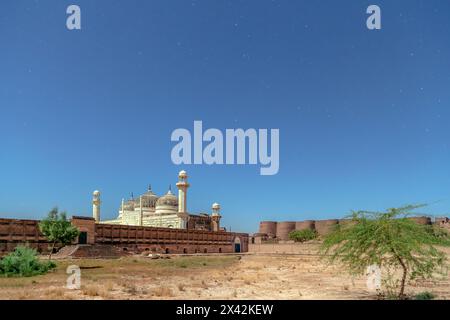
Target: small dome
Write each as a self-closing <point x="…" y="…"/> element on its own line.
<point x="182" y="174"/>
<point x="216" y="205"/>
<point x="96" y="193"/>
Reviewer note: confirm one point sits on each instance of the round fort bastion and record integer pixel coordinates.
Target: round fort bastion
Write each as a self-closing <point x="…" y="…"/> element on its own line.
<point x="284" y="228"/>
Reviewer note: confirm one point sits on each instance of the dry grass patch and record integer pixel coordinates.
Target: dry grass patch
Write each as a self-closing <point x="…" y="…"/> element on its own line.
<point x="91" y="290"/>
<point x="96" y="291"/>
<point x="162" y="292"/>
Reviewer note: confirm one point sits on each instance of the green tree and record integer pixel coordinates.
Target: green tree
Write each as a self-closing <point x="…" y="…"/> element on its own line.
<point x="57" y="229"/>
<point x="302" y="235"/>
<point x="390" y="240"/>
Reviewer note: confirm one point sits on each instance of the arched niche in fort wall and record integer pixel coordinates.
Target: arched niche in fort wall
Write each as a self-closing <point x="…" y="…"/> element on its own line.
<point x="237" y="244"/>
<point x="240" y="243"/>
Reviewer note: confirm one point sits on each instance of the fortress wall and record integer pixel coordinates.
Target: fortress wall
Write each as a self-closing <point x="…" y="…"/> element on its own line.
<point x="269" y="228"/>
<point x="284" y="228"/>
<point x="15" y="232"/>
<point x="174" y="240"/>
<point x="305" y="225"/>
<point x="85" y="224"/>
<point x="311" y="248"/>
<point x="285" y="248"/>
<point x="422" y="220"/>
<point x="323" y="227"/>
<point x="443" y="222"/>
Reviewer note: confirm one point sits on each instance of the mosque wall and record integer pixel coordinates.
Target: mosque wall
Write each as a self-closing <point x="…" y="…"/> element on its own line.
<point x="199" y="222"/>
<point x="167" y="221"/>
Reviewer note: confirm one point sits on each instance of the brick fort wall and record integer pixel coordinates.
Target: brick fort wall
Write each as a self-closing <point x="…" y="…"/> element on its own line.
<point x="15" y="232"/>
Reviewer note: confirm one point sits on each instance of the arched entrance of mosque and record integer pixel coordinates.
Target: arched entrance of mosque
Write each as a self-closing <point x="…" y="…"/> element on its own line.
<point x="237" y="244"/>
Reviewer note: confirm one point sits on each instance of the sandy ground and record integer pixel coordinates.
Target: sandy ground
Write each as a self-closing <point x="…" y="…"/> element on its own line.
<point x="202" y="277"/>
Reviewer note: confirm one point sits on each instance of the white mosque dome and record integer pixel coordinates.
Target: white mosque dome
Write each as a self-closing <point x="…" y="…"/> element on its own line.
<point x="167" y="204"/>
<point x="149" y="199"/>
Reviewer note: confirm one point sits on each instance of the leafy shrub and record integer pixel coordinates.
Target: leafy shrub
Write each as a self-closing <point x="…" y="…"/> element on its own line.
<point x="57" y="229"/>
<point x="23" y="262"/>
<point x="302" y="235"/>
<point x="438" y="232"/>
<point x="425" y="296"/>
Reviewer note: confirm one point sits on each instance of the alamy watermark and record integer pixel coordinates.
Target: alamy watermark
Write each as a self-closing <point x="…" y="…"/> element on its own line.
<point x="374" y="20"/>
<point x="73" y="21"/>
<point x="236" y="146"/>
<point x="74" y="279"/>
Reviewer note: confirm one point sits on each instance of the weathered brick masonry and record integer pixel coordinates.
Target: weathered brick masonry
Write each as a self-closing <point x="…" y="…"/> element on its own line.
<point x="15" y="232"/>
<point x="127" y="238"/>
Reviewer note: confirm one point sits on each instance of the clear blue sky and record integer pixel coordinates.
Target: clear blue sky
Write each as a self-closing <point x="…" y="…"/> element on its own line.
<point x="363" y="115"/>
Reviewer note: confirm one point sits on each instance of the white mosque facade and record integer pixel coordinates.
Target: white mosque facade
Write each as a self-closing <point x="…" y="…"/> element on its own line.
<point x="167" y="211"/>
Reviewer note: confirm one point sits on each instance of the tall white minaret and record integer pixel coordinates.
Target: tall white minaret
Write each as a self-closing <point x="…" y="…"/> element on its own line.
<point x="96" y="205"/>
<point x="182" y="186"/>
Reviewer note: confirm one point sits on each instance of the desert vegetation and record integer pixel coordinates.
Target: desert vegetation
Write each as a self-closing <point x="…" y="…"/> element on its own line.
<point x="404" y="250"/>
<point x="302" y="235"/>
<point x="24" y="262"/>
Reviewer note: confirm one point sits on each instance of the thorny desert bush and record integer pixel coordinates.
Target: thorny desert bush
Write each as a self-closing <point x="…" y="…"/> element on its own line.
<point x="390" y="240"/>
